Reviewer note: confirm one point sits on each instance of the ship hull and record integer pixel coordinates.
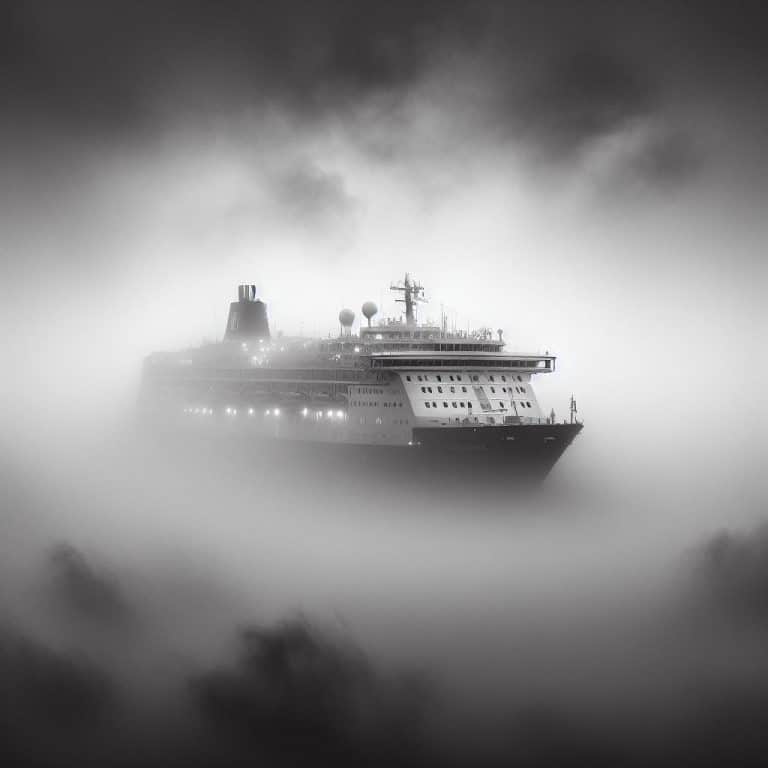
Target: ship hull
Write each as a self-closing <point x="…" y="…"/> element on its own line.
<point x="437" y="462"/>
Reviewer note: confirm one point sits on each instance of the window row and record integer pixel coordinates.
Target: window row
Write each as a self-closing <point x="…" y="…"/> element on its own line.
<point x="375" y="404"/>
<point x="457" y="377"/>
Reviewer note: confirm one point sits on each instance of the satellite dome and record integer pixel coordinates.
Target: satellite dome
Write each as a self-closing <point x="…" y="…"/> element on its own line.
<point x="346" y="317"/>
<point x="369" y="310"/>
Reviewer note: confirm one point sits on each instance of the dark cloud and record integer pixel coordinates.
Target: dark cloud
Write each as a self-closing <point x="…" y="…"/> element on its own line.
<point x="308" y="195"/>
<point x="559" y="74"/>
<point x="733" y="573"/>
<point x="295" y="693"/>
<point x="83" y="594"/>
<point x="579" y="97"/>
<point x="49" y="701"/>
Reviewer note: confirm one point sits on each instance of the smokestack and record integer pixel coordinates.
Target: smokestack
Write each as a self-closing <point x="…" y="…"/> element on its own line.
<point x="247" y="316"/>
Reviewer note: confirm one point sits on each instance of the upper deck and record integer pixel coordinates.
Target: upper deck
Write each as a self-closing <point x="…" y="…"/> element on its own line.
<point x="460" y="360"/>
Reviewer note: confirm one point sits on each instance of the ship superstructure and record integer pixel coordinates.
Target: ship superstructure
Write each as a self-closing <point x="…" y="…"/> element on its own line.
<point x="395" y="384"/>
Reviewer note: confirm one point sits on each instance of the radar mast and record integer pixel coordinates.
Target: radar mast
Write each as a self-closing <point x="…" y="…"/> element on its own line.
<point x="412" y="294"/>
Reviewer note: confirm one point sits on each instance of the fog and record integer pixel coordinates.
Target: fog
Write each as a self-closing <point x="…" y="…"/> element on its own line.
<point x="590" y="180"/>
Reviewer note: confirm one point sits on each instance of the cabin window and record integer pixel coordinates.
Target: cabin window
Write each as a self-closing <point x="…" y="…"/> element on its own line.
<point x="451" y="378"/>
<point x="491" y="378"/>
<point x="420" y="378"/>
<point x="519" y="378"/>
<point x="428" y="405"/>
<point x="445" y="405"/>
<point x="429" y="389"/>
<point x="407" y="378"/>
<point x="434" y="404"/>
<point x="440" y="390"/>
<point x="522" y="389"/>
<point x="503" y="378"/>
<point x="462" y="405"/>
<point x="439" y="378"/>
<point x="463" y="389"/>
<point x="469" y="403"/>
<point x="493" y="390"/>
<point x="528" y="404"/>
<point x="453" y="389"/>
<point x="453" y="403"/>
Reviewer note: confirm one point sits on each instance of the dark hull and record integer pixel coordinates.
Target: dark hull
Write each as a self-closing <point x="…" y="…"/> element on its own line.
<point x="440" y="462"/>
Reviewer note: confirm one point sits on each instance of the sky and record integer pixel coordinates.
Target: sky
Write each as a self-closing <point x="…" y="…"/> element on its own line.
<point x="589" y="177"/>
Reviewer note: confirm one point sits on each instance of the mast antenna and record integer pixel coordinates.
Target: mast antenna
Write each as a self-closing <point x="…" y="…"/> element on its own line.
<point x="413" y="293"/>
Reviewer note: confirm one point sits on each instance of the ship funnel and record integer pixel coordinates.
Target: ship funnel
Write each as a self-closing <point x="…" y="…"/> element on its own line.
<point x="246" y="292"/>
<point x="247" y="316"/>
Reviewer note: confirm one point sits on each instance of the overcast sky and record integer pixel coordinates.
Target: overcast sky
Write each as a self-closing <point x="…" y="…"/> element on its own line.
<point x="588" y="176"/>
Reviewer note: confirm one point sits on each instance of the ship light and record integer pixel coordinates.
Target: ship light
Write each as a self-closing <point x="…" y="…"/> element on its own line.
<point x="357" y="349"/>
<point x="229" y="410"/>
<point x="330" y="414"/>
<point x="234" y="411"/>
<point x="277" y="411"/>
<point x="267" y="412"/>
<point x="250" y="411"/>
<point x="340" y="414"/>
<point x="304" y="411"/>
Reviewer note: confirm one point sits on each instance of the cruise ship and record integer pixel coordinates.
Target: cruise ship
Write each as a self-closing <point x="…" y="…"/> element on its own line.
<point x="406" y="394"/>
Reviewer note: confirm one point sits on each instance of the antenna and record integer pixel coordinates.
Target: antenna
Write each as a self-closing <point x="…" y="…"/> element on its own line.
<point x="412" y="294"/>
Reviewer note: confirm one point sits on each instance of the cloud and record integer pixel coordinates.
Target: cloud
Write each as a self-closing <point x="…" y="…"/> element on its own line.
<point x="295" y="692"/>
<point x="84" y="594"/>
<point x="733" y="573"/>
<point x="579" y="97"/>
<point x="48" y="700"/>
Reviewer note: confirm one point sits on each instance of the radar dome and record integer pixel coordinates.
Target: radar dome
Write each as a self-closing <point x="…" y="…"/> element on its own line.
<point x="346" y="317"/>
<point x="369" y="310"/>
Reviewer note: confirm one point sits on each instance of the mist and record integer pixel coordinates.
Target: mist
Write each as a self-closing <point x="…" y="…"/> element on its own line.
<point x="587" y="177"/>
